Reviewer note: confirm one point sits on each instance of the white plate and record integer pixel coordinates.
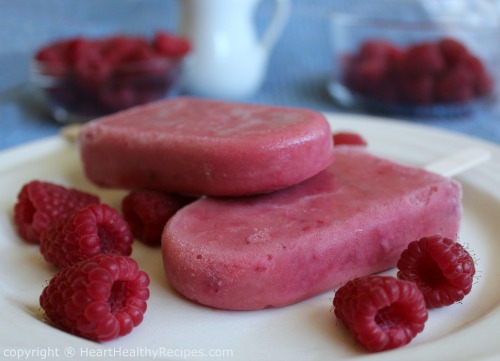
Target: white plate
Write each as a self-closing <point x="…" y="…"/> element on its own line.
<point x="176" y="329"/>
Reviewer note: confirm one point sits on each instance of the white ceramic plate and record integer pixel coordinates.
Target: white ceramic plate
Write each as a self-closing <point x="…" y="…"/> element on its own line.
<point x="176" y="329"/>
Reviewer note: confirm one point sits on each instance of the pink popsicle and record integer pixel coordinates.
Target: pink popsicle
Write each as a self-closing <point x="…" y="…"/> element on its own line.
<point x="353" y="219"/>
<point x="195" y="146"/>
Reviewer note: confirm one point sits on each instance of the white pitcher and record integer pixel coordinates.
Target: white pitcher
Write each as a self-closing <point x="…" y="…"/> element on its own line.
<point x="227" y="59"/>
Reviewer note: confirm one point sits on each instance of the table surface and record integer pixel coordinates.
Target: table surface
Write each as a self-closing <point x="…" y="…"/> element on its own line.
<point x="298" y="72"/>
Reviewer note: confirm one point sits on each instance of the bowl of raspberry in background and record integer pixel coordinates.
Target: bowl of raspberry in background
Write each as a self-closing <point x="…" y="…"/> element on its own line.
<point x="82" y="78"/>
<point x="415" y="68"/>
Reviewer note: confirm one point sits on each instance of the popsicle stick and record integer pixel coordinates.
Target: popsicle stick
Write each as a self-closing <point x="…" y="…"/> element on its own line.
<point x="459" y="162"/>
<point x="70" y="132"/>
<point x="448" y="167"/>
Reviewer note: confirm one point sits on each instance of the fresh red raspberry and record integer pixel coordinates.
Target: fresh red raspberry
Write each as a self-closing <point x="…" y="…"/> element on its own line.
<point x="453" y="51"/>
<point x="78" y="48"/>
<point x="417" y="89"/>
<point x="455" y="86"/>
<point x="117" y="48"/>
<point x="474" y="64"/>
<point x="369" y="69"/>
<point x="94" y="229"/>
<point x="348" y="138"/>
<point x="100" y="298"/>
<point x="52" y="61"/>
<point x="381" y="312"/>
<point x="390" y="92"/>
<point x="92" y="71"/>
<point x="39" y="204"/>
<point x="117" y="98"/>
<point x="50" y="55"/>
<point x="422" y="58"/>
<point x="171" y="46"/>
<point x="54" y="53"/>
<point x="365" y="76"/>
<point x="483" y="83"/>
<point x="142" y="51"/>
<point x="440" y="267"/>
<point x="148" y="211"/>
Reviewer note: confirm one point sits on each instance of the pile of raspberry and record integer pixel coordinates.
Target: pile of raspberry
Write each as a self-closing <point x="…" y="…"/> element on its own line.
<point x="442" y="72"/>
<point x="99" y="76"/>
<point x="99" y="292"/>
<point x="385" y="312"/>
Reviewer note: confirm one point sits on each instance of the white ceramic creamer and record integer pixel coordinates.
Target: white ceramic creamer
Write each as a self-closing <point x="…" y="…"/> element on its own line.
<point x="227" y="58"/>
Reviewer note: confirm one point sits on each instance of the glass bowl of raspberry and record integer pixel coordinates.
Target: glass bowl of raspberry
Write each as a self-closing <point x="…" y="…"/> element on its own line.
<point x="416" y="68"/>
<point x="84" y="78"/>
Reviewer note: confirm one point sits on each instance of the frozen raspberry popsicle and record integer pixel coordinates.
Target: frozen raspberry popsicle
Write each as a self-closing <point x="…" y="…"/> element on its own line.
<point x="353" y="219"/>
<point x="195" y="146"/>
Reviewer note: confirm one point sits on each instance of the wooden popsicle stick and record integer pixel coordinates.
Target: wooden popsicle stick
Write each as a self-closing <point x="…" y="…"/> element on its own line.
<point x="70" y="132"/>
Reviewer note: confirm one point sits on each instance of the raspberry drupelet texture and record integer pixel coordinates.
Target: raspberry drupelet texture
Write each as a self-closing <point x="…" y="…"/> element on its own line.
<point x="147" y="212"/>
<point x="381" y="312"/>
<point x="40" y="204"/>
<point x="100" y="299"/>
<point x="440" y="267"/>
<point x="88" y="231"/>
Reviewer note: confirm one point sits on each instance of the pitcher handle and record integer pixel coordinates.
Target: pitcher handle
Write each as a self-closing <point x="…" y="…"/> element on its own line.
<point x="281" y="14"/>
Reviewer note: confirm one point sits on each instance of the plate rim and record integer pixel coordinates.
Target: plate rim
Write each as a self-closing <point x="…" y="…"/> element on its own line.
<point x="47" y="146"/>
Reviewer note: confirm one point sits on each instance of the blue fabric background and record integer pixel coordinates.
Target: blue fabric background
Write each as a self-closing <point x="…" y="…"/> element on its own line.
<point x="298" y="72"/>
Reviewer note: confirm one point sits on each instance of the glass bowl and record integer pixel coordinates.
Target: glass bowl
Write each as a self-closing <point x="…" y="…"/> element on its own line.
<point x="430" y="68"/>
<point x="73" y="98"/>
<point x="82" y="78"/>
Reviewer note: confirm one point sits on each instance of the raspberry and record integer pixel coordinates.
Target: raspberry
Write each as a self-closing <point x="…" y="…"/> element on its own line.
<point x="389" y="92"/>
<point x="100" y="298"/>
<point x="49" y="55"/>
<point x="453" y="51"/>
<point x="367" y="72"/>
<point x="365" y="75"/>
<point x="92" y="71"/>
<point x="348" y="138"/>
<point x="40" y="204"/>
<point x="78" y="48"/>
<point x="88" y="231"/>
<point x="456" y="86"/>
<point x="117" y="98"/>
<point x="171" y="46"/>
<point x="381" y="312"/>
<point x="418" y="89"/>
<point x="423" y="58"/>
<point x="142" y="51"/>
<point x="440" y="267"/>
<point x="483" y="83"/>
<point x="148" y="211"/>
<point x="115" y="49"/>
<point x="53" y="54"/>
